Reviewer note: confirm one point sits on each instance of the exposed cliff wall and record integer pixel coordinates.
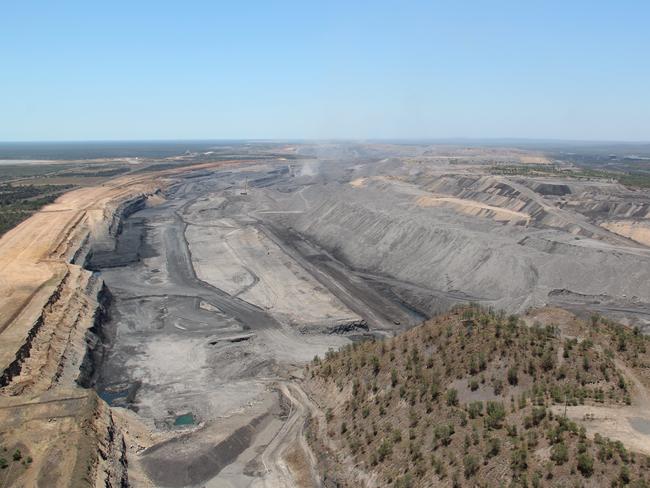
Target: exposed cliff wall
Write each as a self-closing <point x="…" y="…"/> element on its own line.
<point x="72" y="439"/>
<point x="66" y="341"/>
<point x="96" y="339"/>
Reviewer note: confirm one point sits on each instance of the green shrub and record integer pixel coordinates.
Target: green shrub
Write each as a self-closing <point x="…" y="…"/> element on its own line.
<point x="471" y="465"/>
<point x="442" y="434"/>
<point x="559" y="453"/>
<point x="512" y="376"/>
<point x="435" y="391"/>
<point x="548" y="361"/>
<point x="452" y="397"/>
<point x="397" y="436"/>
<point x="585" y="464"/>
<point x="493" y="447"/>
<point x="375" y="365"/>
<point x="475" y="409"/>
<point x="385" y="449"/>
<point x="438" y="467"/>
<point x="497" y="386"/>
<point x="473" y="365"/>
<point x="495" y="414"/>
<point x="519" y="460"/>
<point x="539" y="413"/>
<point x="624" y="475"/>
<point x="405" y="481"/>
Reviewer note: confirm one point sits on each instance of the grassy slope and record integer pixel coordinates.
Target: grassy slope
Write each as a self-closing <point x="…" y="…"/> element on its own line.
<point x="464" y="400"/>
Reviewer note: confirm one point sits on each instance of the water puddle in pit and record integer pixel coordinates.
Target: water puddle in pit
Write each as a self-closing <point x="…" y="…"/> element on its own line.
<point x="119" y="395"/>
<point x="112" y="397"/>
<point x="183" y="420"/>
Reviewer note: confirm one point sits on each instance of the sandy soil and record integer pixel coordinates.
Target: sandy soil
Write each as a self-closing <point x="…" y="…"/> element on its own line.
<point x="475" y="208"/>
<point x="638" y="231"/>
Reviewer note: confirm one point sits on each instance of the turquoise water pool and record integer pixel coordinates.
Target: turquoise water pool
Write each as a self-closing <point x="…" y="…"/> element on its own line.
<point x="186" y="419"/>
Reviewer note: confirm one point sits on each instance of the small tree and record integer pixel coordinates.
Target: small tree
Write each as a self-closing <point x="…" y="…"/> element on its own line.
<point x="452" y="397"/>
<point x="624" y="475"/>
<point x="512" y="376"/>
<point x="493" y="447"/>
<point x="443" y="433"/>
<point x="548" y="361"/>
<point x="435" y="390"/>
<point x="496" y="413"/>
<point x="559" y="453"/>
<point x="585" y="464"/>
<point x="519" y="460"/>
<point x="375" y="365"/>
<point x="475" y="409"/>
<point x="385" y="449"/>
<point x="471" y="465"/>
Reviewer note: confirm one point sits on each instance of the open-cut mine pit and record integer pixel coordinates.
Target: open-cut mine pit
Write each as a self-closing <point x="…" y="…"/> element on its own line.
<point x="190" y="297"/>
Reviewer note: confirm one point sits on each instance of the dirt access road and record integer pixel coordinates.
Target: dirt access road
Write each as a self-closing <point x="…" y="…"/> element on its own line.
<point x="302" y="472"/>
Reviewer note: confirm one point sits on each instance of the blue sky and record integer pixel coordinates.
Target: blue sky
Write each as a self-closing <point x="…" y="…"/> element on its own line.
<point x="380" y="69"/>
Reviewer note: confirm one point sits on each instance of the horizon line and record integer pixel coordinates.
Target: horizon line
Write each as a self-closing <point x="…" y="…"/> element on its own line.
<point x="421" y="140"/>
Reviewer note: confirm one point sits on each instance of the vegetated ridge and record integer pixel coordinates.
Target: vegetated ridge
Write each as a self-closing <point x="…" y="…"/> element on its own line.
<point x="478" y="398"/>
<point x="19" y="202"/>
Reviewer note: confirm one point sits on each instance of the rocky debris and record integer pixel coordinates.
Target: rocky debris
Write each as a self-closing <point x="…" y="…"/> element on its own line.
<point x="349" y="327"/>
